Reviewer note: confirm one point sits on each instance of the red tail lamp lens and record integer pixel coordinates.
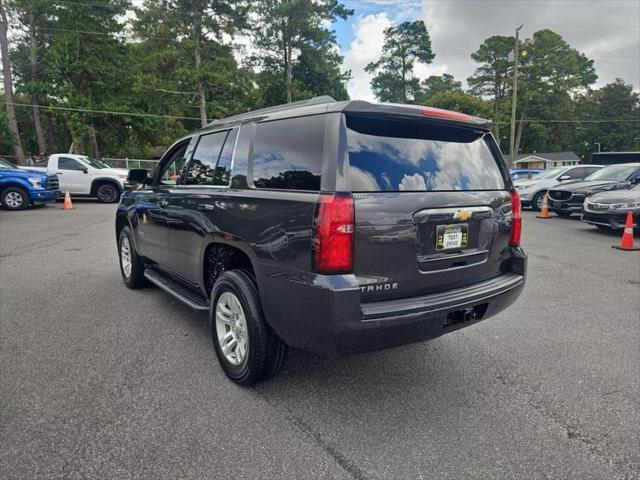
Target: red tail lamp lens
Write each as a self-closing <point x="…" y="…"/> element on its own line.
<point x="333" y="243"/>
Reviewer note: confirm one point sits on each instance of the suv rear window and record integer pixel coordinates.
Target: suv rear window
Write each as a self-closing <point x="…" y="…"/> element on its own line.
<point x="396" y="156"/>
<point x="288" y="153"/>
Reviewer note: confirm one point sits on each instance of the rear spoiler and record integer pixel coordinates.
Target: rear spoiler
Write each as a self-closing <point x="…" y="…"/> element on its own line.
<point x="433" y="115"/>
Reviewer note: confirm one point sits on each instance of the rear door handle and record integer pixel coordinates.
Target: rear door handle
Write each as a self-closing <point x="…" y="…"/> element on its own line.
<point x="205" y="206"/>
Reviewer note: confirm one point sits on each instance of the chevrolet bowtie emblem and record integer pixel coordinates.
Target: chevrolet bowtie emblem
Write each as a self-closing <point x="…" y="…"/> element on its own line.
<point x="462" y="215"/>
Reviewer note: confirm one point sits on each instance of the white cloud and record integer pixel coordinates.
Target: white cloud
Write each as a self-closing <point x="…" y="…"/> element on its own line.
<point x="365" y="48"/>
<point x="608" y="32"/>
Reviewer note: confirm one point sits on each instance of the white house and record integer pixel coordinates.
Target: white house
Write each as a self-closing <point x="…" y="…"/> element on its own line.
<point x="545" y="160"/>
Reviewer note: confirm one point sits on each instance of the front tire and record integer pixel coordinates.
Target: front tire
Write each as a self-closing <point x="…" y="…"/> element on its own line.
<point x="536" y="202"/>
<point x="14" y="198"/>
<point x="248" y="351"/>
<point x="107" y="193"/>
<point x="563" y="214"/>
<point x="131" y="265"/>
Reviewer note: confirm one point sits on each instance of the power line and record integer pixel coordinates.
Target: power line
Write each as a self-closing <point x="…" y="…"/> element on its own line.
<point x="105" y="112"/>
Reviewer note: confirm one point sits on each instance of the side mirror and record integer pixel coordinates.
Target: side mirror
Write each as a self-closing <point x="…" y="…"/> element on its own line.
<point x="137" y="176"/>
<point x="84" y="169"/>
<point x="565" y="177"/>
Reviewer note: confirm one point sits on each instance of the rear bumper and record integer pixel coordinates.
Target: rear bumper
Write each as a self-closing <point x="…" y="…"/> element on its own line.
<point x="611" y="220"/>
<point x="40" y="197"/>
<point x="327" y="317"/>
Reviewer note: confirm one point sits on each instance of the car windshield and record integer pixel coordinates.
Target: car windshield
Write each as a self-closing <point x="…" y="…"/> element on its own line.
<point x="95" y="163"/>
<point x="613" y="172"/>
<point x="5" y="164"/>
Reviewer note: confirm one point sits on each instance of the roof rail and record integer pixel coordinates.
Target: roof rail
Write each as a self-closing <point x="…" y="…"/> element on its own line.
<point x="276" y="108"/>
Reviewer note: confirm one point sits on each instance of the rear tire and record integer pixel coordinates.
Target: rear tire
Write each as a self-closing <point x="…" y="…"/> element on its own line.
<point x="14" y="198"/>
<point x="248" y="351"/>
<point x="107" y="193"/>
<point x="131" y="265"/>
<point x="563" y="214"/>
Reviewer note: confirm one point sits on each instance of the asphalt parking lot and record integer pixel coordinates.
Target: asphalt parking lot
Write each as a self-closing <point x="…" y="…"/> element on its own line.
<point x="98" y="381"/>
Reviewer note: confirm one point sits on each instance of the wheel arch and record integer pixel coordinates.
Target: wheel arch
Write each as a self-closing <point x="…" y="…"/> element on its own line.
<point x="19" y="184"/>
<point x="219" y="256"/>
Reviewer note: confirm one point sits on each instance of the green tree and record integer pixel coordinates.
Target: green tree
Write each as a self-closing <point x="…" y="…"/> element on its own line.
<point x="617" y="102"/>
<point x="436" y="84"/>
<point x="34" y="19"/>
<point x="404" y="45"/>
<point x="493" y="77"/>
<point x="297" y="53"/>
<point x="552" y="73"/>
<point x="186" y="36"/>
<point x="8" y="85"/>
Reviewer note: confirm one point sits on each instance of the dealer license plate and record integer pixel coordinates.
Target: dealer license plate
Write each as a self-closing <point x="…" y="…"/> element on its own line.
<point x="452" y="236"/>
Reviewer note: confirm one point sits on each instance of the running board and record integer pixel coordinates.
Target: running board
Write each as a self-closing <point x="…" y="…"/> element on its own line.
<point x="176" y="289"/>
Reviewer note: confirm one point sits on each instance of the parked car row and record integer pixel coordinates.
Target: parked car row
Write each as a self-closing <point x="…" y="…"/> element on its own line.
<point x="602" y="195"/>
<point x="44" y="182"/>
<point x="603" y="198"/>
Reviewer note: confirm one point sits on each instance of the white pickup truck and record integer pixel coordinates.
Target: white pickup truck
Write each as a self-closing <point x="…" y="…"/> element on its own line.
<point x="85" y="176"/>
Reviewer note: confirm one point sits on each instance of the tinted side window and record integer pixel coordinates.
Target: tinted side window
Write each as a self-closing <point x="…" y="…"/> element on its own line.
<point x="591" y="170"/>
<point x="288" y="153"/>
<point x="202" y="167"/>
<point x="65" y="163"/>
<point x="575" y="173"/>
<point x="223" y="169"/>
<point x="171" y="167"/>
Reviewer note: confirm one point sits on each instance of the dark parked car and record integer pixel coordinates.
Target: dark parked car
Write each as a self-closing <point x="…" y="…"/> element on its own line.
<point x="569" y="197"/>
<point x="609" y="209"/>
<point x="335" y="227"/>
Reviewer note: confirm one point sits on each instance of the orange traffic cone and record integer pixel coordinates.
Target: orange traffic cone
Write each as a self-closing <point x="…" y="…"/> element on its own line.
<point x="67" y="202"/>
<point x="544" y="213"/>
<point x="626" y="243"/>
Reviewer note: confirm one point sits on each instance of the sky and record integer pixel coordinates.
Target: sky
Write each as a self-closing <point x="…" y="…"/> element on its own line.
<point x="607" y="31"/>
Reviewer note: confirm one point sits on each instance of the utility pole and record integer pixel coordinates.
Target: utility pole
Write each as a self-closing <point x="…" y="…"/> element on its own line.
<point x="512" y="140"/>
<point x="8" y="86"/>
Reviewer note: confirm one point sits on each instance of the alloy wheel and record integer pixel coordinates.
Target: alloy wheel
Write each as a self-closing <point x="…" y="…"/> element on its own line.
<point x="231" y="328"/>
<point x="125" y="257"/>
<point x="13" y="200"/>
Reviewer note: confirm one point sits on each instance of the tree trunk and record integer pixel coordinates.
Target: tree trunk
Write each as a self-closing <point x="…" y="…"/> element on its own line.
<point x="200" y="90"/>
<point x="95" y="151"/>
<point x="8" y="87"/>
<point x="37" y="123"/>
<point x="51" y="146"/>
<point x="404" y="83"/>
<point x="288" y="66"/>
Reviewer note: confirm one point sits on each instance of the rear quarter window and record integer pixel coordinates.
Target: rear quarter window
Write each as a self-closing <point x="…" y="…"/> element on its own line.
<point x="287" y="153"/>
<point x="440" y="160"/>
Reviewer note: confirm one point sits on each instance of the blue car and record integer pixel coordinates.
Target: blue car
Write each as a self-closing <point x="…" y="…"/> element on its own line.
<point x="22" y="188"/>
<point x="525" y="173"/>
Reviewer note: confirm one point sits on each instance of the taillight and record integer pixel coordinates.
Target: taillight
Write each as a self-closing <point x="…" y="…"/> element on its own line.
<point x="333" y="242"/>
<point x="516" y="222"/>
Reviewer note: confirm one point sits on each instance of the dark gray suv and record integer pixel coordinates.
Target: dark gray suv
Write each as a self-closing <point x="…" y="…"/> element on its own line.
<point x="335" y="227"/>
